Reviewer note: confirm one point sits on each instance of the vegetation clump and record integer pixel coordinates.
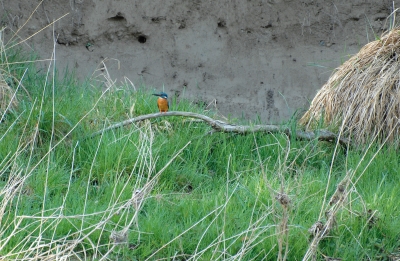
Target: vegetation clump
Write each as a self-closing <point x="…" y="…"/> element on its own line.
<point x="362" y="97"/>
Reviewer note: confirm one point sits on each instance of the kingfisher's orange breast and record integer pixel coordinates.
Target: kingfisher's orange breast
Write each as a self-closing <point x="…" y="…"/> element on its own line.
<point x="162" y="104"/>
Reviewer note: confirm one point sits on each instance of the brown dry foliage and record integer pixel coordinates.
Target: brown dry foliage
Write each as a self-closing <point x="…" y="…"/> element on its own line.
<point x="362" y="96"/>
<point x="7" y="97"/>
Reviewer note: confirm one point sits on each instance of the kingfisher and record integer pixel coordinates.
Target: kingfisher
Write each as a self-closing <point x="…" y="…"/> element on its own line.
<point x="162" y="101"/>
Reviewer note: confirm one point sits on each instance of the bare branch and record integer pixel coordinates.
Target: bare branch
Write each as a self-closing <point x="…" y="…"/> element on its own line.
<point x="217" y="125"/>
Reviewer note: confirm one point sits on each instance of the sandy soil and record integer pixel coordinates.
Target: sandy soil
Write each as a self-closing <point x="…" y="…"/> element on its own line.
<point x="248" y="58"/>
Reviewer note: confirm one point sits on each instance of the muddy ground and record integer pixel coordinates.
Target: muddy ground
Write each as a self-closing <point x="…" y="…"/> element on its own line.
<point x="246" y="58"/>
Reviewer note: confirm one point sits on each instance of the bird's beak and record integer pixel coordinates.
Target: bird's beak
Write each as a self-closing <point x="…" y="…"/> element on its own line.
<point x="156" y="94"/>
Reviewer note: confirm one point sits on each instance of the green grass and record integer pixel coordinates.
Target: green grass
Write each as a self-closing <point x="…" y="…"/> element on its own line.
<point x="66" y="195"/>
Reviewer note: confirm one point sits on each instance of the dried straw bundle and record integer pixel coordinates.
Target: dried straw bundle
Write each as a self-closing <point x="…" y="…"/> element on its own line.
<point x="362" y="96"/>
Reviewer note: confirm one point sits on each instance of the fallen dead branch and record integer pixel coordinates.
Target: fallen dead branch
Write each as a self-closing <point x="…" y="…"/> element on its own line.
<point x="220" y="126"/>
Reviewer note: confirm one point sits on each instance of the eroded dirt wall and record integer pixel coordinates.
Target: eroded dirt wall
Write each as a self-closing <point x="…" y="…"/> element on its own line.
<point x="247" y="57"/>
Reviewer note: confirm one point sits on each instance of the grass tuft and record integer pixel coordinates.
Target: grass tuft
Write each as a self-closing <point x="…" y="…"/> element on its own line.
<point x="361" y="98"/>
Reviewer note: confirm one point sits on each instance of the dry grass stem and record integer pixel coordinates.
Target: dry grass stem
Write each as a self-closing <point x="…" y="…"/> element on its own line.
<point x="320" y="230"/>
